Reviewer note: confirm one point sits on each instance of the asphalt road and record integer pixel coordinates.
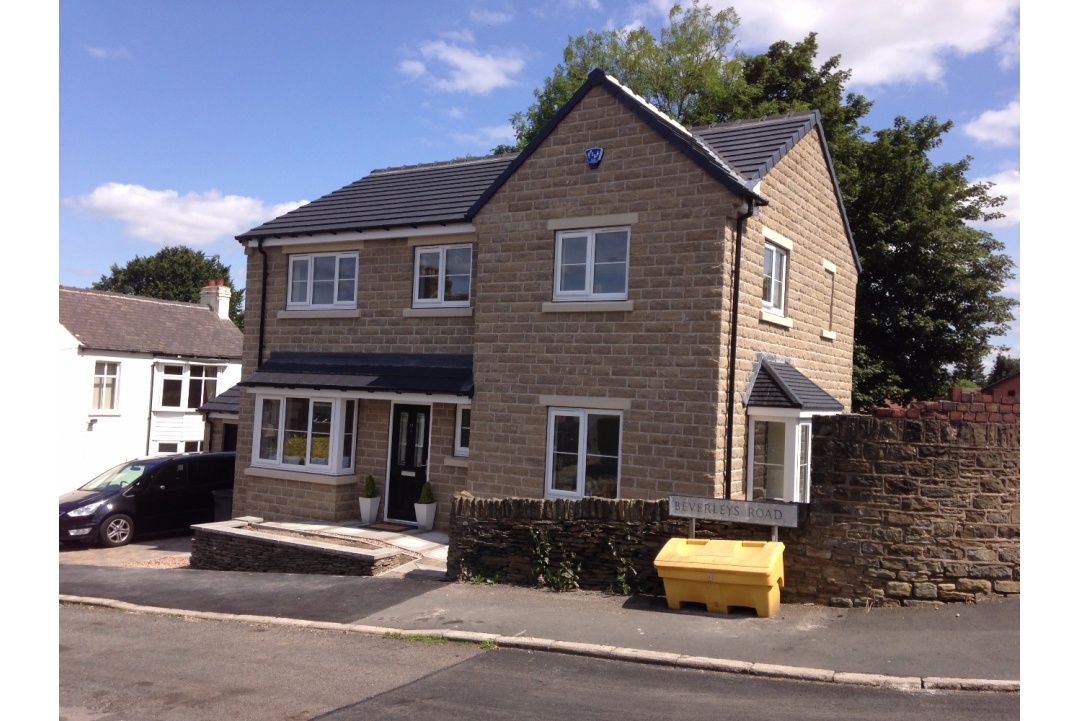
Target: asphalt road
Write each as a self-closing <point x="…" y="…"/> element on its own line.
<point x="117" y="665"/>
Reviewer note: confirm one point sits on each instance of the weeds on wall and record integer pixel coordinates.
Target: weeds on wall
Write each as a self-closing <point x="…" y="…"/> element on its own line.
<point x="625" y="573"/>
<point x="561" y="576"/>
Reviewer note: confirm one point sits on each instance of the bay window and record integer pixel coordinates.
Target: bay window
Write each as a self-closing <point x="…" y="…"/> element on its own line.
<point x="778" y="458"/>
<point x="316" y="435"/>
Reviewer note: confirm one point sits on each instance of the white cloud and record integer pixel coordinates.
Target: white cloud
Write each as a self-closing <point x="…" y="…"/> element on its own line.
<point x="455" y="112"/>
<point x="487" y="137"/>
<point x="412" y="67"/>
<point x="105" y="53"/>
<point x="999" y="127"/>
<point x="490" y="17"/>
<point x="881" y="42"/>
<point x="1006" y="183"/>
<point x="460" y="36"/>
<point x="462" y="68"/>
<point x="167" y="218"/>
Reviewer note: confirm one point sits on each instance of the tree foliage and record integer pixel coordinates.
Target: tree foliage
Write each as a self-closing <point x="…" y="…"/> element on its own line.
<point x="173" y="273"/>
<point x="1003" y="368"/>
<point x="687" y="72"/>
<point x="929" y="297"/>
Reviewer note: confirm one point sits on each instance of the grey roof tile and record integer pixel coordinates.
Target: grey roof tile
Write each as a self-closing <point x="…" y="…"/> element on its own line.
<point x="415" y="195"/>
<point x="753" y="147"/>
<point x="408" y="372"/>
<point x="781" y="385"/>
<point x="116" y="322"/>
<point x="224" y="402"/>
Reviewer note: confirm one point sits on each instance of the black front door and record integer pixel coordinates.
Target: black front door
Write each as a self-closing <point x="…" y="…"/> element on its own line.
<point x="408" y="460"/>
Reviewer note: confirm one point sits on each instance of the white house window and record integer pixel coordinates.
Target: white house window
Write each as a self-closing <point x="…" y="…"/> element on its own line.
<point x="187" y="386"/>
<point x="592" y="264"/>
<point x="779" y="459"/>
<point x="775" y="280"/>
<point x="583" y="452"/>
<point x="461" y="431"/>
<point x="174" y="447"/>
<point x="106" y="384"/>
<point x="322" y="280"/>
<point x="313" y="434"/>
<point x="442" y="276"/>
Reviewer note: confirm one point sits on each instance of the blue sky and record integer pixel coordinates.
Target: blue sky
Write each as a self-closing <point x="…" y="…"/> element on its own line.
<point x="189" y="122"/>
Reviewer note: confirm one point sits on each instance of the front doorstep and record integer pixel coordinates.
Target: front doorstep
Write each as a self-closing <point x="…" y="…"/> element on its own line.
<point x="236" y="545"/>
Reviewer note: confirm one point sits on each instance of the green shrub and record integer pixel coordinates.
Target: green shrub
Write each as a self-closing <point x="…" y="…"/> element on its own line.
<point x="426" y="496"/>
<point x="369" y="488"/>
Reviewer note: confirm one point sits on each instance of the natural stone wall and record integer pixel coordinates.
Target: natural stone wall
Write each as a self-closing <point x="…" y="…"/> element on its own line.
<point x="227" y="550"/>
<point x="903" y="511"/>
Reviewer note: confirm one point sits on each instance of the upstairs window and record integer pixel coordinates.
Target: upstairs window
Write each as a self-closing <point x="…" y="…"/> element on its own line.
<point x="106" y="383"/>
<point x="442" y="276"/>
<point x="322" y="281"/>
<point x="775" y="281"/>
<point x="187" y="386"/>
<point x="592" y="264"/>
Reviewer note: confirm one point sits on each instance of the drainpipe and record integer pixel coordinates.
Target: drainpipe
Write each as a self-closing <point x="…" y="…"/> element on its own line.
<point x="733" y="343"/>
<point x="262" y="303"/>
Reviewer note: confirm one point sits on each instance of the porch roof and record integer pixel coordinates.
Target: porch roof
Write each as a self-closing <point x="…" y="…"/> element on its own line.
<point x="428" y="373"/>
<point x="781" y="385"/>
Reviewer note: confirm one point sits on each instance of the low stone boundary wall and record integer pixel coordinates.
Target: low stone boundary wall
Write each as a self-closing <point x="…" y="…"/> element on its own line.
<point x="903" y="511"/>
<point x="231" y="546"/>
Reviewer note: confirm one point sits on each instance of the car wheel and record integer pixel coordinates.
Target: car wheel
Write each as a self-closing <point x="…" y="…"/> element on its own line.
<point x="117" y="531"/>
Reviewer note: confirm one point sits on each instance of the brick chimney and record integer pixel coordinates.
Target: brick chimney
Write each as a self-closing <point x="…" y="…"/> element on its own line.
<point x="216" y="296"/>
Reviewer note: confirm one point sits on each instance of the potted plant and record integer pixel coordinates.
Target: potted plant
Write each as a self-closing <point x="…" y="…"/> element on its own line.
<point x="369" y="501"/>
<point x="295" y="450"/>
<point x="425" y="508"/>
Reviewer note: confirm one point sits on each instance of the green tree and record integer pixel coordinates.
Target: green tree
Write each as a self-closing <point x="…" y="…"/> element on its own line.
<point x="1003" y="368"/>
<point x="173" y="273"/>
<point x="929" y="296"/>
<point x="686" y="73"/>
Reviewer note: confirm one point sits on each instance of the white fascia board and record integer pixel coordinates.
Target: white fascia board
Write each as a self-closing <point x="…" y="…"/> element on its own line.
<point x="429" y="231"/>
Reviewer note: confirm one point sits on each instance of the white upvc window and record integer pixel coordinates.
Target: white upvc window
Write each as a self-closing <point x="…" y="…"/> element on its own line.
<point x="179" y="446"/>
<point x="186" y="387"/>
<point x="778" y="458"/>
<point x="312" y="434"/>
<point x="583" y="453"/>
<point x="323" y="281"/>
<point x="106" y="386"/>
<point x="774" y="283"/>
<point x="592" y="264"/>
<point x="462" y="431"/>
<point x="442" y="276"/>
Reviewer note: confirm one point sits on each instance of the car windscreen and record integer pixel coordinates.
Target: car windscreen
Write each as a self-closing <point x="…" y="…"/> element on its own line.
<point x="120" y="476"/>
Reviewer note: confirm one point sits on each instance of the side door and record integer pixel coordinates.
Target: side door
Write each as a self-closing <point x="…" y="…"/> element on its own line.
<point x="409" y="430"/>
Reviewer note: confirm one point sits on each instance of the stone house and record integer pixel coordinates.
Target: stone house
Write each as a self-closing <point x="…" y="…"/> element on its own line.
<point x="626" y="308"/>
<point x="133" y="372"/>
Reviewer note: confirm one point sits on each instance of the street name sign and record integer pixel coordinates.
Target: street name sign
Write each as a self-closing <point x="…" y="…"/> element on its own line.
<point x="759" y="513"/>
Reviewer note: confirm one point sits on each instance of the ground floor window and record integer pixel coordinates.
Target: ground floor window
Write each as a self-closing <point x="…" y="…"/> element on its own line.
<point x="462" y="430"/>
<point x="180" y="446"/>
<point x="583" y="453"/>
<point x="316" y="434"/>
<point x="779" y="458"/>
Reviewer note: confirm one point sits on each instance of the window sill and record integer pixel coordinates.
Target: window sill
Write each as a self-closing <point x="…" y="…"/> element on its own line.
<point x="283" y="475"/>
<point x="456" y="461"/>
<point x="588" y="306"/>
<point x="317" y="313"/>
<point x="775" y="319"/>
<point x="437" y="313"/>
<point x="102" y="413"/>
<point x="828" y="334"/>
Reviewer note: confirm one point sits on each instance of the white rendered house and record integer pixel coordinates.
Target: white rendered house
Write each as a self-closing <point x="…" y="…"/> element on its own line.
<point x="134" y="371"/>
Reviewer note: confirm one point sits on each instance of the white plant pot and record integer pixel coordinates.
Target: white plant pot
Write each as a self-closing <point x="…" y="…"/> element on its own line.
<point x="369" y="509"/>
<point x="425" y="515"/>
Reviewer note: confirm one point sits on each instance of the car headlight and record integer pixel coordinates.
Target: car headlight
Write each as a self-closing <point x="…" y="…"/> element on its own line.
<point x="86" y="510"/>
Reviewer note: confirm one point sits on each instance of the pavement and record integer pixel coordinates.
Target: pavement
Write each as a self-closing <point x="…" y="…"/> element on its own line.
<point x="950" y="647"/>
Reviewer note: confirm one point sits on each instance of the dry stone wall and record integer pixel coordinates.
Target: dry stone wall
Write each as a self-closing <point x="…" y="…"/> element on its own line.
<point x="904" y="511"/>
